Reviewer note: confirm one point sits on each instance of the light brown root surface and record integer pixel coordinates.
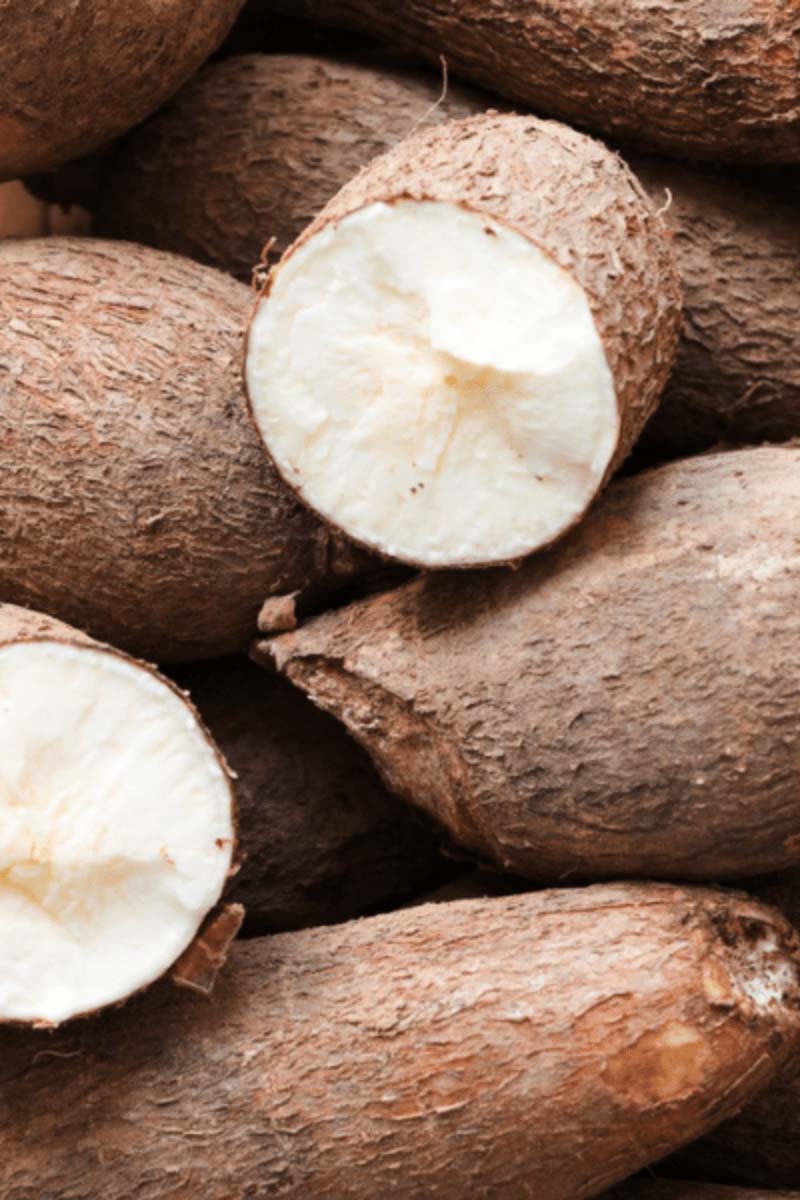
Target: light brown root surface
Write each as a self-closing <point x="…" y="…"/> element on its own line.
<point x="625" y="704"/>
<point x="703" y="78"/>
<point x="566" y="1039"/>
<point x="132" y="56"/>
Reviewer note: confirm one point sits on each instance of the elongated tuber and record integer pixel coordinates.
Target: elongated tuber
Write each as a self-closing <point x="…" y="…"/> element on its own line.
<point x="539" y="1046"/>
<point x="76" y="75"/>
<point x="625" y="705"/>
<point x="701" y="78"/>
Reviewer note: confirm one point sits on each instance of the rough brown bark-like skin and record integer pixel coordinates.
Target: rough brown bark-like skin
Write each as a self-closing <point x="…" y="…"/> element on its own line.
<point x="737" y="375"/>
<point x="137" y="501"/>
<point x="674" y="1189"/>
<point x="76" y="75"/>
<point x="626" y="704"/>
<point x="254" y="147"/>
<point x="322" y="839"/>
<point x="537" y="1047"/>
<point x="705" y="78"/>
<point x="573" y="199"/>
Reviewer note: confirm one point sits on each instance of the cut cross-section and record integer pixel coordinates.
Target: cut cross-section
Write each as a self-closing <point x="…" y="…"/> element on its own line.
<point x="452" y="360"/>
<point x="434" y="384"/>
<point x="116" y="828"/>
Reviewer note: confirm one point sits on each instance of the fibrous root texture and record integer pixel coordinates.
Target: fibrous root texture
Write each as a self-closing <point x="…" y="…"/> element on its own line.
<point x="625" y="704"/>
<point x="541" y="1047"/>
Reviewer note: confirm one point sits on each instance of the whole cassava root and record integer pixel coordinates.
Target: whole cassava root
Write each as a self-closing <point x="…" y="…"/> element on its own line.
<point x="132" y="57"/>
<point x="623" y="705"/>
<point x="136" y="497"/>
<point x="253" y="147"/>
<point x="737" y="375"/>
<point x="495" y="308"/>
<point x="704" y="79"/>
<point x="321" y="839"/>
<point x="118" y="824"/>
<point x="566" y="1039"/>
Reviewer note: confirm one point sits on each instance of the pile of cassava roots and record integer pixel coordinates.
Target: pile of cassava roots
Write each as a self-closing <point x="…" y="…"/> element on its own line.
<point x="399" y="600"/>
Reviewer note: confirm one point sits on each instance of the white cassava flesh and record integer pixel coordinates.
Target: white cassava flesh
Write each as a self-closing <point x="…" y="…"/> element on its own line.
<point x="453" y="358"/>
<point x="116" y="828"/>
<point x="457" y="407"/>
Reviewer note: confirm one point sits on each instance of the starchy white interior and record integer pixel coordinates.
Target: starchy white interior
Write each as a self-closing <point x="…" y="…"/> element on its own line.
<point x="434" y="384"/>
<point x="116" y="829"/>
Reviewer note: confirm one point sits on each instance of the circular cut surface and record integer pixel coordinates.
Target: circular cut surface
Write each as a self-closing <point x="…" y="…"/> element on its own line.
<point x="116" y="828"/>
<point x="431" y="382"/>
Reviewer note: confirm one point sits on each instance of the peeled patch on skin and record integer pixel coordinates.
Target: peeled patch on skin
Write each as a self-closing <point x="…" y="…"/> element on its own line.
<point x="116" y="828"/>
<point x="458" y="406"/>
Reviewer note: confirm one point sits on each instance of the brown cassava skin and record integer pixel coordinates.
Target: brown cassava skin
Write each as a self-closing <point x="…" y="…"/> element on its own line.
<point x="76" y="75"/>
<point x="538" y="1047"/>
<point x="624" y="705"/>
<point x="137" y="500"/>
<point x="704" y="78"/>
<point x="737" y="376"/>
<point x="578" y="203"/>
<point x="322" y="840"/>
<point x="674" y="1189"/>
<point x="252" y="149"/>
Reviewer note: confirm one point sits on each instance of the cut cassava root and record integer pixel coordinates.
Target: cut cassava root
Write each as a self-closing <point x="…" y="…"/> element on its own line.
<point x="254" y="147"/>
<point x="701" y="78"/>
<point x="132" y="56"/>
<point x="494" y="310"/>
<point x="321" y="839"/>
<point x="117" y="822"/>
<point x="138" y="503"/>
<point x="540" y="1046"/>
<point x="625" y="704"/>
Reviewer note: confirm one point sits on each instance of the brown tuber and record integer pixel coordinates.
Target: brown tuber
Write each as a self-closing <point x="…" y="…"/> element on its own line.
<point x="75" y="75"/>
<point x="321" y="839"/>
<point x="624" y="705"/>
<point x="538" y="1046"/>
<point x="137" y="500"/>
<point x="674" y="1189"/>
<point x="701" y="78"/>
